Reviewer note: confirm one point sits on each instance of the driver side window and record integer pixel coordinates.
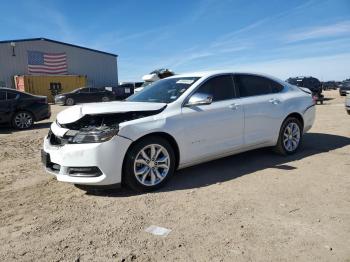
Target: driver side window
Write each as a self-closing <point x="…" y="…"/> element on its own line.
<point x="219" y="87"/>
<point x="84" y="90"/>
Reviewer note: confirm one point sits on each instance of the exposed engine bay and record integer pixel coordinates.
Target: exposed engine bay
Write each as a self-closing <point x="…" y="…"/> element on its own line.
<point x="96" y="128"/>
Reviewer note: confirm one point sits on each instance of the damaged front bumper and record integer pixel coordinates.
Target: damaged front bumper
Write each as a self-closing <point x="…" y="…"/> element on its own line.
<point x="83" y="146"/>
<point x="85" y="164"/>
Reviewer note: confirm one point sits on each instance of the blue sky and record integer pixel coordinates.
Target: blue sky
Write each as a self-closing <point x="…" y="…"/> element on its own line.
<point x="282" y="38"/>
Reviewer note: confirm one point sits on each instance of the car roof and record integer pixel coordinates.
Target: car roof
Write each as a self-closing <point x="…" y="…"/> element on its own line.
<point x="8" y="89"/>
<point x="15" y="91"/>
<point x="218" y="72"/>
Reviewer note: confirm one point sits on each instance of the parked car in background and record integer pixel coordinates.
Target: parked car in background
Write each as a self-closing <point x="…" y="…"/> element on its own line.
<point x="85" y="95"/>
<point x="21" y="110"/>
<point x="311" y="83"/>
<point x="330" y="85"/>
<point x="347" y="102"/>
<point x="146" y="83"/>
<point x="126" y="89"/>
<point x="138" y="84"/>
<point x="154" y="76"/>
<point x="344" y="87"/>
<point x="176" y="122"/>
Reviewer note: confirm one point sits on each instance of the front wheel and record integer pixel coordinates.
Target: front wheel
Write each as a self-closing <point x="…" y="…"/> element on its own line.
<point x="70" y="101"/>
<point x="105" y="99"/>
<point x="149" y="164"/>
<point x="290" y="136"/>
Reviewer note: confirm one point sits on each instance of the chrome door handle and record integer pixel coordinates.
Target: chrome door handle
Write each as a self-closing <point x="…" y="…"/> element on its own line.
<point x="274" y="101"/>
<point x="233" y="106"/>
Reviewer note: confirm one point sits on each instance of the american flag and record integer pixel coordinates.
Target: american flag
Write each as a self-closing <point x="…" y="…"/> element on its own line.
<point x="47" y="63"/>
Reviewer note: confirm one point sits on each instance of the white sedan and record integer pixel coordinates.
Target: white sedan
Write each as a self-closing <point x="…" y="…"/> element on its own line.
<point x="174" y="123"/>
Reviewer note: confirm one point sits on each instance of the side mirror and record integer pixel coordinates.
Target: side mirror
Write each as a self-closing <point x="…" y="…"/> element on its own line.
<point x="200" y="99"/>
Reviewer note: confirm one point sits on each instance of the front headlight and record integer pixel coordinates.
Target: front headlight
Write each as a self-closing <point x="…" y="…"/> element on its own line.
<point x="91" y="135"/>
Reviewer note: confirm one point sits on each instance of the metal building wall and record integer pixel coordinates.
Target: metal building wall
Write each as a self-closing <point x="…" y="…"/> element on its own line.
<point x="101" y="69"/>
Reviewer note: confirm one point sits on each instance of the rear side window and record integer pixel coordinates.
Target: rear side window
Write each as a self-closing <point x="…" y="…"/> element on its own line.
<point x="84" y="90"/>
<point x="2" y="96"/>
<point x="220" y="87"/>
<point x="275" y="87"/>
<point x="250" y="85"/>
<point x="11" y="95"/>
<point x="94" y="90"/>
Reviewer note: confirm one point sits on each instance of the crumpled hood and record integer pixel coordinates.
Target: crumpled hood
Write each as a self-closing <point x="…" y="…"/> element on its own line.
<point x="74" y="113"/>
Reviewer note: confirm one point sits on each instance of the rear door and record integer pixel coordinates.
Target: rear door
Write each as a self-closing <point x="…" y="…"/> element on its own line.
<point x="262" y="104"/>
<point x="216" y="128"/>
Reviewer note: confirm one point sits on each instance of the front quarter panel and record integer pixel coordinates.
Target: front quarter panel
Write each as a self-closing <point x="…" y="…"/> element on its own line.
<point x="166" y="122"/>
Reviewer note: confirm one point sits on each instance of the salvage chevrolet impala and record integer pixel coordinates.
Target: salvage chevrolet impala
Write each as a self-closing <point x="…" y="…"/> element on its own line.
<point x="175" y="123"/>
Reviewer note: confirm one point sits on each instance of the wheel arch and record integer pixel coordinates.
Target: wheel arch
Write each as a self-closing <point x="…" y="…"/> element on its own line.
<point x="297" y="116"/>
<point x="164" y="135"/>
<point x="24" y="110"/>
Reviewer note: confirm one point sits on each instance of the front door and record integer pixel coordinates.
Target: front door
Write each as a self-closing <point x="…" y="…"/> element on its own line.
<point x="83" y="96"/>
<point x="216" y="128"/>
<point x="95" y="95"/>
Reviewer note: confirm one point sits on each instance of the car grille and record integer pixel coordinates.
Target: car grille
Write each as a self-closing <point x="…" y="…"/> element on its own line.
<point x="55" y="140"/>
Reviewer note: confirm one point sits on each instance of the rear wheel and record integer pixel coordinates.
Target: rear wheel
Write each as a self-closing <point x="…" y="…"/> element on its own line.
<point x="149" y="164"/>
<point x="23" y="120"/>
<point x="290" y="136"/>
<point x="70" y="101"/>
<point x="105" y="99"/>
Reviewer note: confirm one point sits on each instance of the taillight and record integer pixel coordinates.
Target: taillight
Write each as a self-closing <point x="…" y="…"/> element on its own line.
<point x="314" y="98"/>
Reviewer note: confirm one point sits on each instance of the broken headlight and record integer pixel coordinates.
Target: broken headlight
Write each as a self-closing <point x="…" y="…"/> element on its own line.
<point x="91" y="135"/>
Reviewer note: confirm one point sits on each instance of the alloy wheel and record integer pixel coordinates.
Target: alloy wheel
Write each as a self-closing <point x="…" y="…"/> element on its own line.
<point x="23" y="120"/>
<point x="105" y="99"/>
<point x="151" y="165"/>
<point x="291" y="137"/>
<point x="70" y="102"/>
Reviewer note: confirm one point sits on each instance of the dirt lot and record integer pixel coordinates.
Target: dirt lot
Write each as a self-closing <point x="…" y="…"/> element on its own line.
<point x="255" y="206"/>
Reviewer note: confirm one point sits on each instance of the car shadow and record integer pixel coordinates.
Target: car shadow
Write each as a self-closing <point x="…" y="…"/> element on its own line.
<point x="235" y="166"/>
<point x="328" y="98"/>
<point x="5" y="129"/>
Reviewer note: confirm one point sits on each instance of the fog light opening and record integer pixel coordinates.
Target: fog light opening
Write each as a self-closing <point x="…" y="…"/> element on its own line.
<point x="84" y="171"/>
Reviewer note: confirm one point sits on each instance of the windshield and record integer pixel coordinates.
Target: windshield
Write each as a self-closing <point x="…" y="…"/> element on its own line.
<point x="164" y="91"/>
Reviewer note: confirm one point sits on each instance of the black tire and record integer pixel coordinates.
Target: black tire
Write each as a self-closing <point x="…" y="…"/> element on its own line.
<point x="129" y="175"/>
<point x="105" y="99"/>
<point x="69" y="101"/>
<point x="281" y="147"/>
<point x="23" y="120"/>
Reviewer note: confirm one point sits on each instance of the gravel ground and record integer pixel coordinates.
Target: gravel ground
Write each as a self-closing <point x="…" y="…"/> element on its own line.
<point x="255" y="206"/>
